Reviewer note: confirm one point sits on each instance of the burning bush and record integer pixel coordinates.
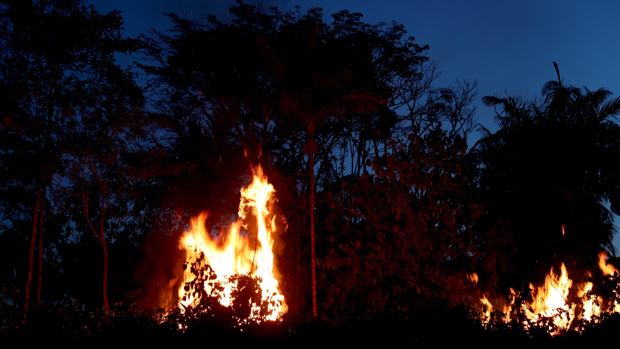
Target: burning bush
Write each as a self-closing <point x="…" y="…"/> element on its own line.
<point x="234" y="269"/>
<point x="204" y="292"/>
<point x="558" y="306"/>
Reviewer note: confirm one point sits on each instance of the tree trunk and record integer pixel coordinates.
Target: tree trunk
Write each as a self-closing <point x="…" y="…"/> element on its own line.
<point x="99" y="233"/>
<point x="33" y="238"/>
<point x="104" y="250"/>
<point x="312" y="235"/>
<point x="40" y="252"/>
<point x="104" y="281"/>
<point x="311" y="150"/>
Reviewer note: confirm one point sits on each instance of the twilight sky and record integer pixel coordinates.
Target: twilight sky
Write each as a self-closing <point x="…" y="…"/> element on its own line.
<point x="506" y="46"/>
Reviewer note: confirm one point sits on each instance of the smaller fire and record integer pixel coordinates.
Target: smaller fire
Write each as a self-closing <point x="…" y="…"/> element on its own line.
<point x="559" y="301"/>
<point x="473" y="277"/>
<point x="487" y="309"/>
<point x="551" y="299"/>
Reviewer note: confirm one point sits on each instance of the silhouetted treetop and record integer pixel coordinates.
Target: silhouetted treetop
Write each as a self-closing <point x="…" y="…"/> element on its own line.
<point x="552" y="167"/>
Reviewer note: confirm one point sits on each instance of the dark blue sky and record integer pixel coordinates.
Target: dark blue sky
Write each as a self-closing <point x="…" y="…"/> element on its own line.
<point x="506" y="46"/>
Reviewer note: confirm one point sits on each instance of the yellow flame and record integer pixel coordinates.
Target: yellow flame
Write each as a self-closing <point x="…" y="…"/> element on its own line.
<point x="507" y="309"/>
<point x="487" y="309"/>
<point x="591" y="303"/>
<point x="245" y="249"/>
<point x="550" y="300"/>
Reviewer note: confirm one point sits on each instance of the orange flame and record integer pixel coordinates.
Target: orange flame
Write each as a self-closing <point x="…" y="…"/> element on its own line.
<point x="473" y="278"/>
<point x="245" y="249"/>
<point x="487" y="309"/>
<point x="607" y="269"/>
<point x="551" y="301"/>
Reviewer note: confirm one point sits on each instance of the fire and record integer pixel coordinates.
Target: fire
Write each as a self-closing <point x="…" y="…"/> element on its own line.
<point x="243" y="249"/>
<point x="559" y="301"/>
<point x="591" y="304"/>
<point x="607" y="269"/>
<point x="487" y="309"/>
<point x="551" y="300"/>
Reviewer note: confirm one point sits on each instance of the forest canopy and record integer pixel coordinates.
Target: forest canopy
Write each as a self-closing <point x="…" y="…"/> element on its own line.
<point x="389" y="202"/>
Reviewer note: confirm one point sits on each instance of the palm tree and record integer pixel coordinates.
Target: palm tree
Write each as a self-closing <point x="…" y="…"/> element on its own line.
<point x="549" y="172"/>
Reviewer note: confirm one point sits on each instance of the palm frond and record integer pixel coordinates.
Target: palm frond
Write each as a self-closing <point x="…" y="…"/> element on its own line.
<point x="550" y="89"/>
<point x="557" y="71"/>
<point x="492" y="101"/>
<point x="597" y="97"/>
<point x="610" y="107"/>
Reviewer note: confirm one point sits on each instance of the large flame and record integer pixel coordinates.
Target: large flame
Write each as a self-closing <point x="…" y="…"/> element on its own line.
<point x="244" y="248"/>
<point x="553" y="301"/>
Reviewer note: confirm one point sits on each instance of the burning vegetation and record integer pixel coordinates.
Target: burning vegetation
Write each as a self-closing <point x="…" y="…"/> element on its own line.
<point x="392" y="217"/>
<point x="235" y="264"/>
<point x="560" y="304"/>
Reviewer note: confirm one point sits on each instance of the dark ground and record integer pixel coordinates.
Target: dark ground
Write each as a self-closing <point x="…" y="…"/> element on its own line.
<point x="429" y="331"/>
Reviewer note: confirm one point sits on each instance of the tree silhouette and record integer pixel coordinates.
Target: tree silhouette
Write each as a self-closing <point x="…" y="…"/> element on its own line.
<point x="548" y="172"/>
<point x="315" y="80"/>
<point x="286" y="85"/>
<point x="58" y="61"/>
<point x="384" y="211"/>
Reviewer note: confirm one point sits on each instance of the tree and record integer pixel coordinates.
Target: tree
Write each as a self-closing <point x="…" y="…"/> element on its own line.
<point x="103" y="145"/>
<point x="547" y="174"/>
<point x="56" y="56"/>
<point x="401" y="235"/>
<point x="289" y="86"/>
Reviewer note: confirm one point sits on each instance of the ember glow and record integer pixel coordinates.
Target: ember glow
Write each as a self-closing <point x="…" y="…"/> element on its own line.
<point x="243" y="249"/>
<point x="559" y="302"/>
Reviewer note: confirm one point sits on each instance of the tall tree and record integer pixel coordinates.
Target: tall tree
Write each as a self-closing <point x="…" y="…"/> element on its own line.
<point x="53" y="53"/>
<point x="104" y="142"/>
<point x="547" y="175"/>
<point x="289" y="83"/>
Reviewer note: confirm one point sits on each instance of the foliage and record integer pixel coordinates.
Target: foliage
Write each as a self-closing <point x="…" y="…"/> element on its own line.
<point x="400" y="238"/>
<point x="546" y="177"/>
<point x="72" y="122"/>
<point x="405" y="209"/>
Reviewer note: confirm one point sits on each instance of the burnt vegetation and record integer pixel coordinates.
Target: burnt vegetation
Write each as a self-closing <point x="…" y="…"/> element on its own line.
<point x="389" y="197"/>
